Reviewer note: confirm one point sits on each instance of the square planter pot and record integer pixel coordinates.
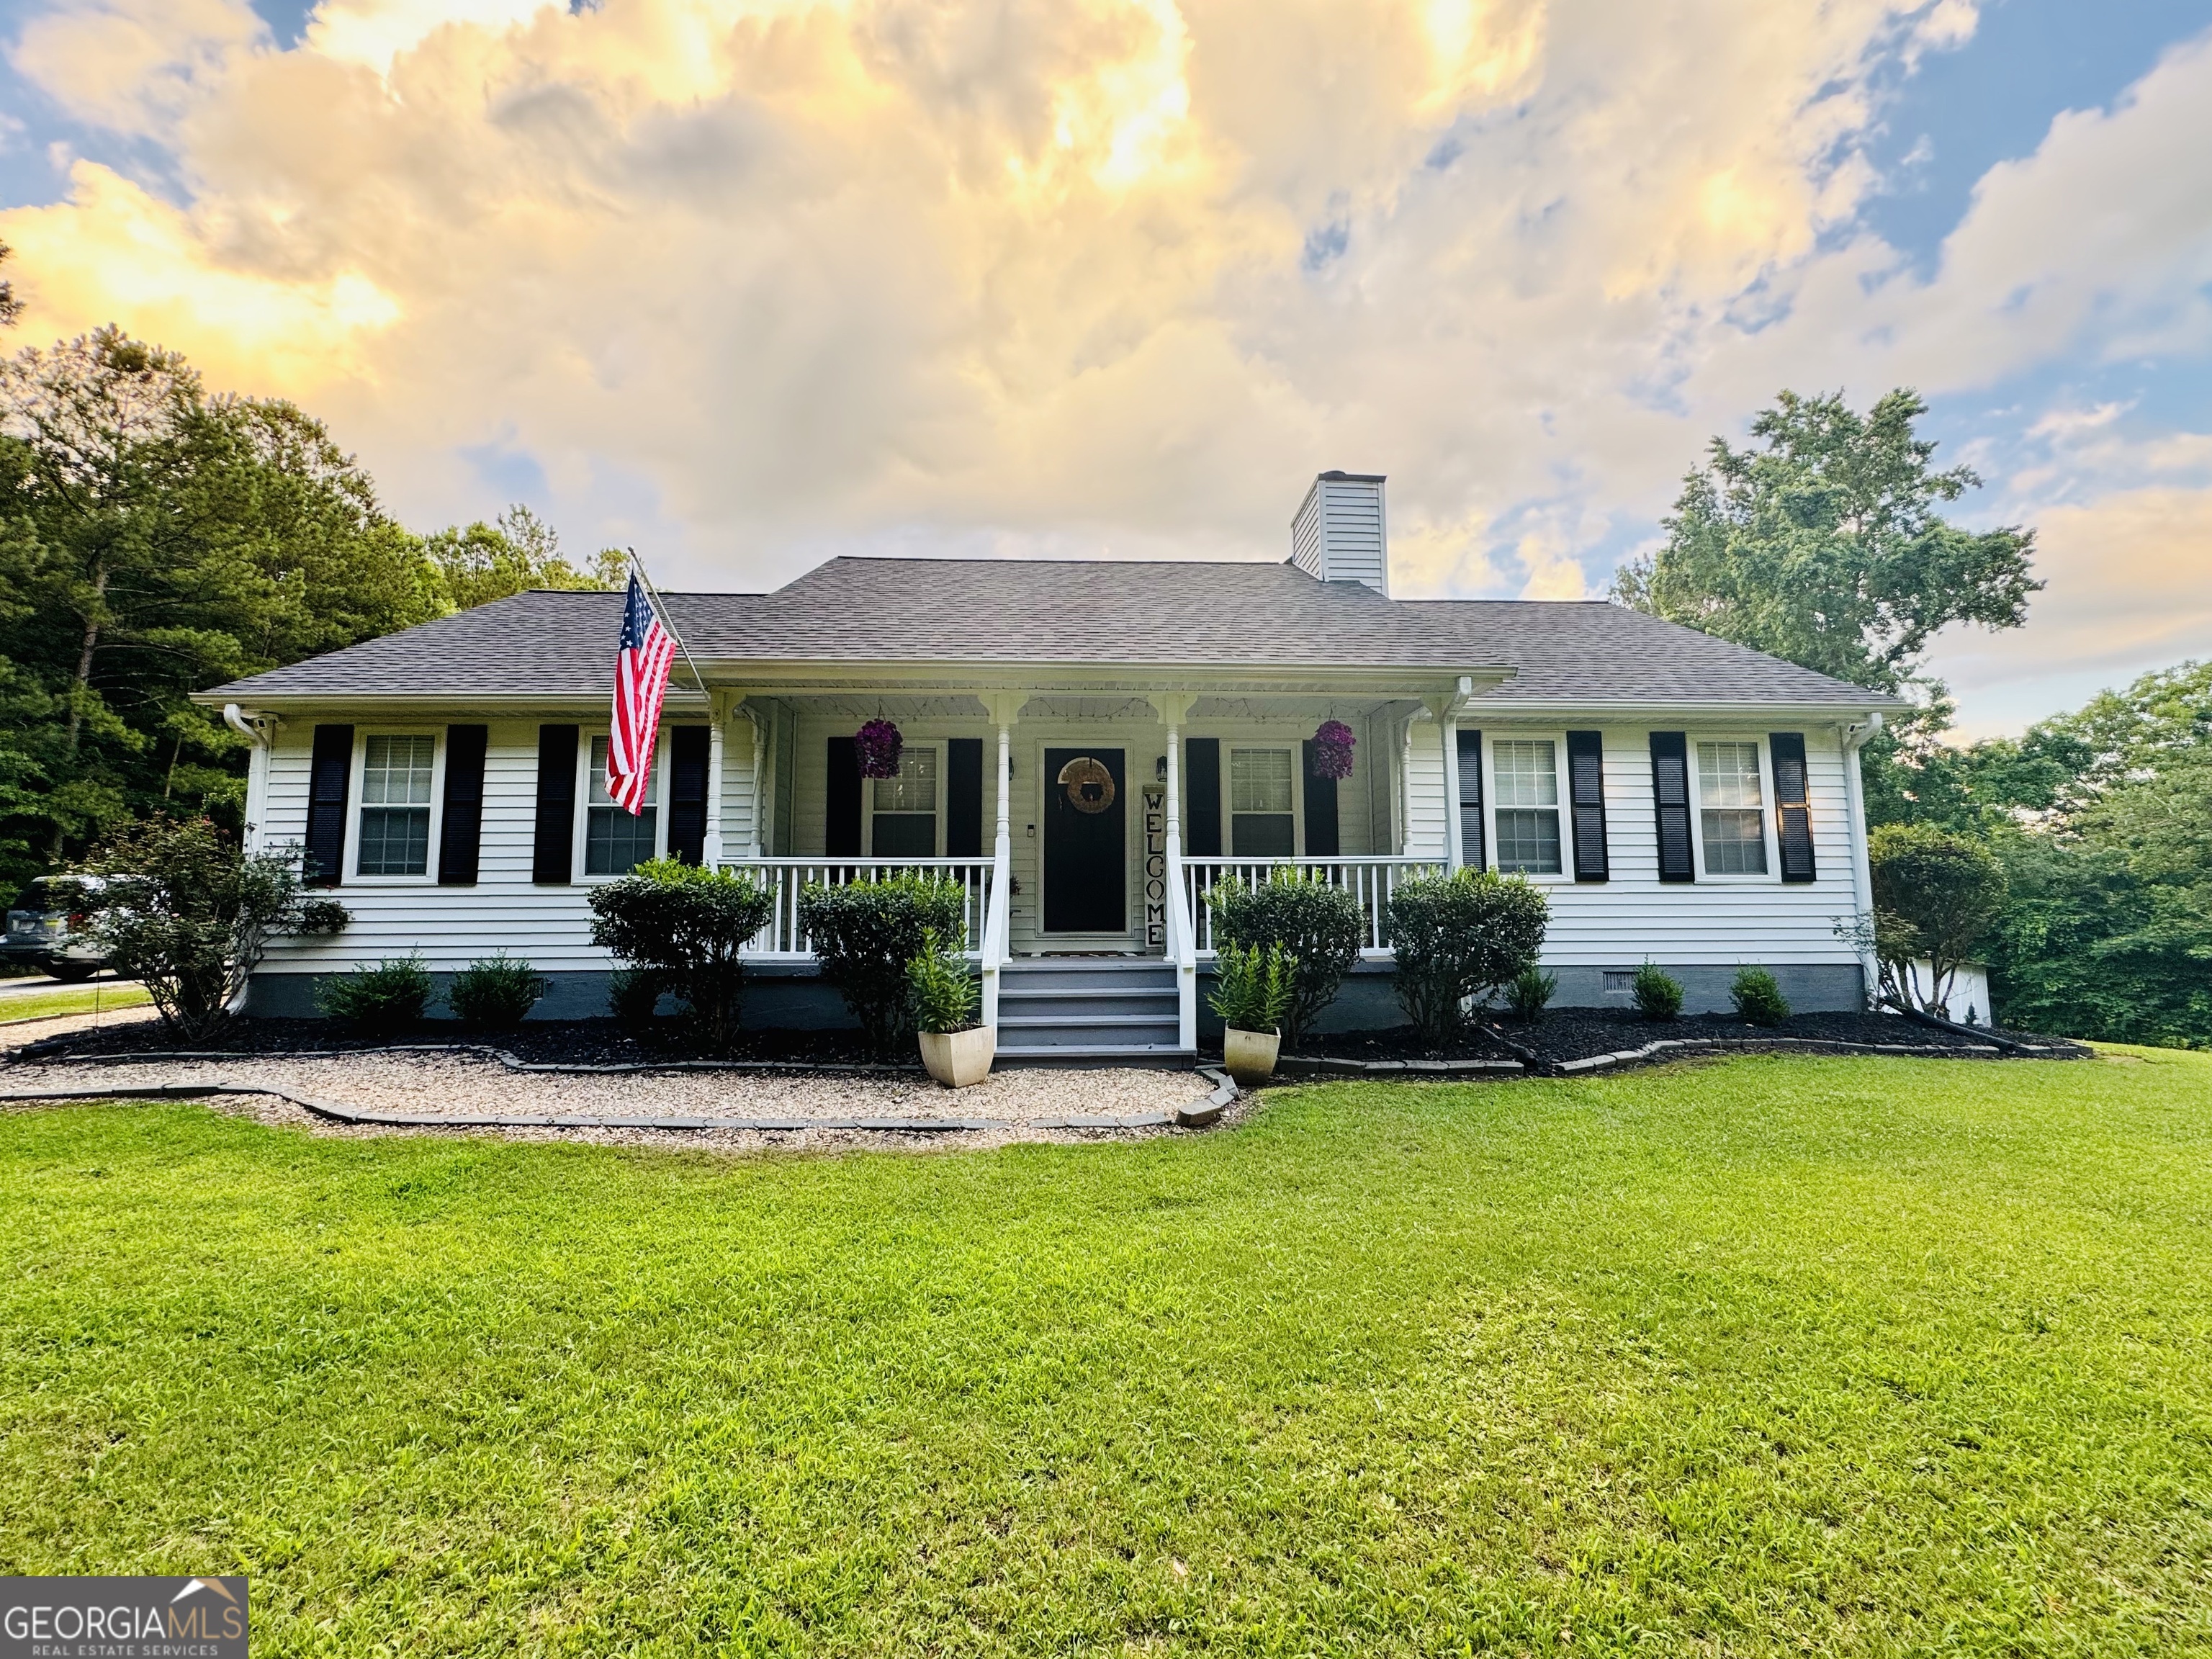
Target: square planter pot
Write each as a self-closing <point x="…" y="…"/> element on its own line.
<point x="960" y="1059"/>
<point x="1250" y="1056"/>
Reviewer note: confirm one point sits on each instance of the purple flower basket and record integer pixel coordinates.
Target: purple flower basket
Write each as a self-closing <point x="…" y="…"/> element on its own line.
<point x="876" y="746"/>
<point x="1331" y="750"/>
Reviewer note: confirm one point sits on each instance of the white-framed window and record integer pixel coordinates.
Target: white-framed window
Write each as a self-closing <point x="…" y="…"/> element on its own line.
<point x="616" y="841"/>
<point x="1731" y="807"/>
<point x="906" y="811"/>
<point x="1524" y="794"/>
<point x="1263" y="803"/>
<point x="398" y="795"/>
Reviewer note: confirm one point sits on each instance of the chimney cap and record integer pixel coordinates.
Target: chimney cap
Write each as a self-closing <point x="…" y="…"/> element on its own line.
<point x="1338" y="475"/>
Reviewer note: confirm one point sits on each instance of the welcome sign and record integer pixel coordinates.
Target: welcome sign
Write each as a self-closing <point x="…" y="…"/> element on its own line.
<point x="151" y="1618"/>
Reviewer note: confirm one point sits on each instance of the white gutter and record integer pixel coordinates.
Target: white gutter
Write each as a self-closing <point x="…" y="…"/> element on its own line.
<point x="255" y="729"/>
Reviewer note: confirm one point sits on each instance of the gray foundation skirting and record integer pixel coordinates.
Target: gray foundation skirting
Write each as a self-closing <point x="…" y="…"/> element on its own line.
<point x="792" y="998"/>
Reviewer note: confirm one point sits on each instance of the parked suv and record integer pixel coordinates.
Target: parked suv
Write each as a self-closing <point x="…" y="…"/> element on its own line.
<point x="54" y="939"/>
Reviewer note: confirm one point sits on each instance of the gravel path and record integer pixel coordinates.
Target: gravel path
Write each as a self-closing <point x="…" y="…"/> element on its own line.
<point x="1031" y="1104"/>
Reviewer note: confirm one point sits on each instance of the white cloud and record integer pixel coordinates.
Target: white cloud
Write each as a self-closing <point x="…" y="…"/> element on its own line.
<point x="774" y="276"/>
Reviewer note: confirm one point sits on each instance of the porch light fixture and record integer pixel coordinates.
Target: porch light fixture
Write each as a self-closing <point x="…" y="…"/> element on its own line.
<point x="876" y="746"/>
<point x="1331" y="750"/>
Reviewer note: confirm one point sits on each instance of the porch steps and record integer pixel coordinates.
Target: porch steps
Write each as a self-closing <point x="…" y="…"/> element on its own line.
<point x="1068" y="1008"/>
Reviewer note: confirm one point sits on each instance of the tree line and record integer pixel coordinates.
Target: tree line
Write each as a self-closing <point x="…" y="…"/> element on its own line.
<point x="2078" y="858"/>
<point x="157" y="538"/>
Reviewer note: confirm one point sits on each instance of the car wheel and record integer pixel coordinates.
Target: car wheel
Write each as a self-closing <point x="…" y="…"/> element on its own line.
<point x="71" y="972"/>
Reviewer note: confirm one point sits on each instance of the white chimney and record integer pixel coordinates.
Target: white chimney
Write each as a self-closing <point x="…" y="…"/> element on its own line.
<point x="1341" y="534"/>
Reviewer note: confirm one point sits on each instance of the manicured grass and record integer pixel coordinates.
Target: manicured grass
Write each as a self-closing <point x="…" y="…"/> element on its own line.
<point x="1774" y="1356"/>
<point x="82" y="1000"/>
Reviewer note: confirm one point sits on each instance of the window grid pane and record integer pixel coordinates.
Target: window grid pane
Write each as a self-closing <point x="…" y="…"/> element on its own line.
<point x="1526" y="772"/>
<point x="596" y="784"/>
<point x="1733" y="818"/>
<point x="1260" y="781"/>
<point x="615" y="842"/>
<point x="1262" y="835"/>
<point x="395" y="840"/>
<point x="1529" y="841"/>
<point x="396" y="772"/>
<point x="914" y="789"/>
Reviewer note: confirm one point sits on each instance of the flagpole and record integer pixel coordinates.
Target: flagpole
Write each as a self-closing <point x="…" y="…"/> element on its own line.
<point x="660" y="609"/>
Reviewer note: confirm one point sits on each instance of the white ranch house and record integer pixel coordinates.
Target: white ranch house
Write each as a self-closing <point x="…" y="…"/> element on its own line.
<point x="1089" y="746"/>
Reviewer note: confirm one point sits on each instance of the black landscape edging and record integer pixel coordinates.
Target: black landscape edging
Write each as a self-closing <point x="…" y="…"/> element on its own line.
<point x="55" y="1046"/>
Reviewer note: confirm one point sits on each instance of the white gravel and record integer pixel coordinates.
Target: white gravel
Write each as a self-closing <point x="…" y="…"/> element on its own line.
<point x="1026" y="1100"/>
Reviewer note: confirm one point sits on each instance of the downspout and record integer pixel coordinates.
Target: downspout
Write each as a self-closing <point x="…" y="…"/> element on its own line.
<point x="255" y="732"/>
<point x="1854" y="738"/>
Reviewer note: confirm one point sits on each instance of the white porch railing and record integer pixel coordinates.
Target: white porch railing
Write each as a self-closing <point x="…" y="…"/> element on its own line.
<point x="784" y="939"/>
<point x="1369" y="880"/>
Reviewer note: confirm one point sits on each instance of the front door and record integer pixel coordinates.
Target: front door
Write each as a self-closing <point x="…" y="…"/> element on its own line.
<point x="1086" y="853"/>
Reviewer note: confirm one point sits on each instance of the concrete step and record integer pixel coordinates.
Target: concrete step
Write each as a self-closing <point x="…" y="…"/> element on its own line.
<point x="1071" y="1005"/>
<point x="1087" y="974"/>
<point x="1032" y="1032"/>
<point x="1121" y="1053"/>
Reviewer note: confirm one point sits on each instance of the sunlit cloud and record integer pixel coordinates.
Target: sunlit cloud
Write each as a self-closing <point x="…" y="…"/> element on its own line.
<point x="756" y="280"/>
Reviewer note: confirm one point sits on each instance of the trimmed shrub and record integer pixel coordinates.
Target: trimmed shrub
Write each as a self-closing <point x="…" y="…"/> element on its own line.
<point x="181" y="908"/>
<point x="1758" y="997"/>
<point x="1658" y="992"/>
<point x="1253" y="988"/>
<point x="685" y="924"/>
<point x="1530" y="991"/>
<point x="388" y="996"/>
<point x="1459" y="939"/>
<point x="944" y="993"/>
<point x="866" y="932"/>
<point x="496" y="992"/>
<point x="1314" y="922"/>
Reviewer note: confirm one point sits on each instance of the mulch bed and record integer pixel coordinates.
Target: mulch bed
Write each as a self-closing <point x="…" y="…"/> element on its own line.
<point x="1569" y="1033"/>
<point x="544" y="1043"/>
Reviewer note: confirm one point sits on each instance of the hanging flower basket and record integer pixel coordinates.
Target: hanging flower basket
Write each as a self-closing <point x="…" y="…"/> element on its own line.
<point x="876" y="746"/>
<point x="1331" y="750"/>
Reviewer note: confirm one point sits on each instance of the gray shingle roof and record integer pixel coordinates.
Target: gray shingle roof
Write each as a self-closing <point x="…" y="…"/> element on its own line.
<point x="882" y="612"/>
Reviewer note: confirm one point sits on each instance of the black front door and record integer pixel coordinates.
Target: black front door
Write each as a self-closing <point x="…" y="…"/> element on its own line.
<point x="1085" y="858"/>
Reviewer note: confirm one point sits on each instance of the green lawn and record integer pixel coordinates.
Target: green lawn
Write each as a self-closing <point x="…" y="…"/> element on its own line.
<point x="1779" y="1355"/>
<point x="80" y="999"/>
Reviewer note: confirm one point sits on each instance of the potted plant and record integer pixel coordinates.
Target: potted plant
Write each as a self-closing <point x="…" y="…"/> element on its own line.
<point x="955" y="1047"/>
<point x="1252" y="991"/>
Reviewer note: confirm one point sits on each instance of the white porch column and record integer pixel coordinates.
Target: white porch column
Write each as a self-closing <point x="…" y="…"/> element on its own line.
<point x="1174" y="707"/>
<point x="1447" y="722"/>
<point x="718" y="721"/>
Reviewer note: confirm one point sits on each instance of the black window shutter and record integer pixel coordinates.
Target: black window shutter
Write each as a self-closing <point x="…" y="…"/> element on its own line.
<point x="460" y="833"/>
<point x="840" y="823"/>
<point x="1201" y="817"/>
<point x="963" y="798"/>
<point x="554" y="844"/>
<point x="688" y="747"/>
<point x="1670" y="798"/>
<point x="1793" y="809"/>
<point x="1321" y="811"/>
<point x="1586" y="795"/>
<point x="1472" y="846"/>
<point x="329" y="777"/>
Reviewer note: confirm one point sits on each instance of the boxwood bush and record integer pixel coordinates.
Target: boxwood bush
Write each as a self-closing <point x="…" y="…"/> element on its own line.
<point x="1308" y="918"/>
<point x="388" y="996"/>
<point x="685" y="924"/>
<point x="866" y="932"/>
<point x="1758" y="997"/>
<point x="496" y="992"/>
<point x="1459" y="939"/>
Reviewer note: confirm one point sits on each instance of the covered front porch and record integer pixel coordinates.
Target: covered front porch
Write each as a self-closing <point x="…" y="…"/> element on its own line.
<point x="1087" y="826"/>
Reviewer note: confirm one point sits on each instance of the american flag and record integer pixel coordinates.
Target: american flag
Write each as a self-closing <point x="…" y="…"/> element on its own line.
<point x="640" y="680"/>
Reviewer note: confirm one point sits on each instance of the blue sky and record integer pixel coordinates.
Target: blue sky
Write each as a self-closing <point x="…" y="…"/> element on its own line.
<point x="746" y="282"/>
